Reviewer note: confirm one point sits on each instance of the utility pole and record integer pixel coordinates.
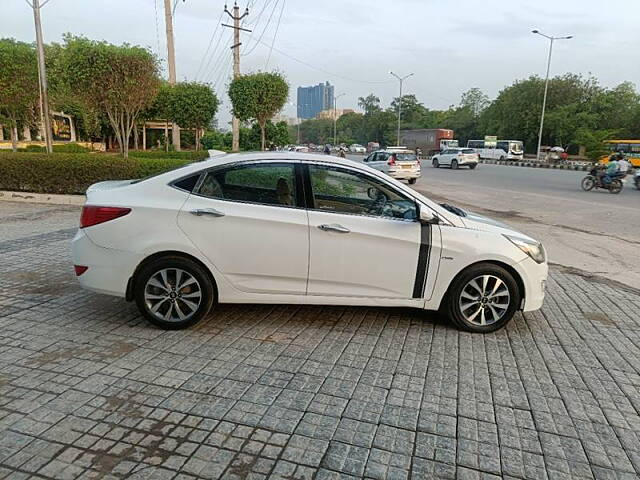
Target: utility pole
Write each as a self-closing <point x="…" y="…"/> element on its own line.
<point x="42" y="73"/>
<point x="401" y="79"/>
<point x="546" y="84"/>
<point x="235" y="123"/>
<point x="335" y="120"/>
<point x="171" y="61"/>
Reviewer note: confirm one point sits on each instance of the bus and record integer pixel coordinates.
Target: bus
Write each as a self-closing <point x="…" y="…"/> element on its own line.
<point x="631" y="149"/>
<point x="499" y="150"/>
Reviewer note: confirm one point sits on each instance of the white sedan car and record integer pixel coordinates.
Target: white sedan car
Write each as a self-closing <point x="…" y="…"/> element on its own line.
<point x="286" y="227"/>
<point x="398" y="163"/>
<point x="456" y="157"/>
<point x="356" y="148"/>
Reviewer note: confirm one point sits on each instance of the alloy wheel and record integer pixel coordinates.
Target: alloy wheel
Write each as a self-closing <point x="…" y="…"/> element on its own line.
<point x="484" y="300"/>
<point x="172" y="295"/>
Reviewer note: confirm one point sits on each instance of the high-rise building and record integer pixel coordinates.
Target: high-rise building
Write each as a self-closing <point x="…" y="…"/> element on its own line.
<point x="312" y="100"/>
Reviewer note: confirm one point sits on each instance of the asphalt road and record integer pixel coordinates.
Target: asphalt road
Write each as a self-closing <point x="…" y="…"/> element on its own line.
<point x="594" y="233"/>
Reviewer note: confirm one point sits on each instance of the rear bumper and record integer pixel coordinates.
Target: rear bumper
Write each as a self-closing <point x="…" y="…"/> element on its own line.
<point x="403" y="174"/>
<point x="109" y="269"/>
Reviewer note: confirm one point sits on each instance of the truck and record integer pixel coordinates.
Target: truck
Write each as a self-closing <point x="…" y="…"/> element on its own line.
<point x="429" y="140"/>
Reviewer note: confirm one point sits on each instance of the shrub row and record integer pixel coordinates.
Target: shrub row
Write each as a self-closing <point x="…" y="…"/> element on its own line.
<point x="62" y="148"/>
<point x="192" y="155"/>
<point x="70" y="173"/>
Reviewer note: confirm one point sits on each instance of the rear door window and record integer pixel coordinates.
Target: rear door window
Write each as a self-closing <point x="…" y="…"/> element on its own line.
<point x="267" y="184"/>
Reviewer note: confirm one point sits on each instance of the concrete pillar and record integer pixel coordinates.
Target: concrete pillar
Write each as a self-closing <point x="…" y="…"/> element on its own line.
<point x="1" y="134"/>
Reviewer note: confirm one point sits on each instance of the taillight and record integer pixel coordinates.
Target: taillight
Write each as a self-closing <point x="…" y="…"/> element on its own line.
<point x="93" y="215"/>
<point x="80" y="269"/>
<point x="392" y="160"/>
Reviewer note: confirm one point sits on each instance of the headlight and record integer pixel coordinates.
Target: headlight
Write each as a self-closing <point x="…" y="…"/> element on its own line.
<point x="532" y="248"/>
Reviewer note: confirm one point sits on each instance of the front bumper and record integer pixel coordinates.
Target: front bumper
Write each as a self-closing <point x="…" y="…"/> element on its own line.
<point x="534" y="276"/>
<point x="109" y="269"/>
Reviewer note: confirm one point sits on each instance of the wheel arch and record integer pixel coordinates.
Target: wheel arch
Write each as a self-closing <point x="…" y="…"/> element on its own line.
<point x="514" y="273"/>
<point x="168" y="253"/>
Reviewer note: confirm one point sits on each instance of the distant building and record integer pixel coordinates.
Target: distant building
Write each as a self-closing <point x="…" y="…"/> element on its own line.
<point x="312" y="100"/>
<point x="328" y="113"/>
<point x="284" y="118"/>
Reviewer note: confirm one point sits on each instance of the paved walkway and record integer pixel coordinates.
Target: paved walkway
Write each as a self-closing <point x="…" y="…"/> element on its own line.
<point x="90" y="390"/>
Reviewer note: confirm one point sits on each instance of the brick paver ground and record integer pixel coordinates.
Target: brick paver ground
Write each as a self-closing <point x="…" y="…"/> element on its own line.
<point x="90" y="390"/>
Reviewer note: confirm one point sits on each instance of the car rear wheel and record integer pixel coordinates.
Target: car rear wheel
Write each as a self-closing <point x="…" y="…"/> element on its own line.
<point x="173" y="292"/>
<point x="454" y="164"/>
<point x="483" y="298"/>
<point x="412" y="181"/>
<point x="473" y="166"/>
<point x="435" y="163"/>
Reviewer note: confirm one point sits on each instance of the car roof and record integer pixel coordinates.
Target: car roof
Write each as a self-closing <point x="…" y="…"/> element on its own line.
<point x="276" y="155"/>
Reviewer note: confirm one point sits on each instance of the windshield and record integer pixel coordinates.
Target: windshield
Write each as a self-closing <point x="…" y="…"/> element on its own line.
<point x="516" y="146"/>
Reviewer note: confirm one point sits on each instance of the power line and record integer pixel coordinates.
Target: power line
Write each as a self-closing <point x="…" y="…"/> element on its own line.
<point x="302" y="62"/>
<point x="275" y="35"/>
<point x="216" y="54"/>
<point x="215" y="30"/>
<point x="264" y="29"/>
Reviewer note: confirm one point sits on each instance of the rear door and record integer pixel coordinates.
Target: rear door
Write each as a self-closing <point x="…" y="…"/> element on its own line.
<point x="249" y="221"/>
<point x="364" y="238"/>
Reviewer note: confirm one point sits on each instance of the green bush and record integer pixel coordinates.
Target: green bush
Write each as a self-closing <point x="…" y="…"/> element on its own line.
<point x="69" y="173"/>
<point x="62" y="148"/>
<point x="191" y="155"/>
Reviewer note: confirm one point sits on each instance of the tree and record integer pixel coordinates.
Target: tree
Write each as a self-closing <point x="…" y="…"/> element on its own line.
<point x="18" y="85"/>
<point x="120" y="80"/>
<point x="369" y="104"/>
<point x="258" y="97"/>
<point x="475" y="101"/>
<point x="190" y="105"/>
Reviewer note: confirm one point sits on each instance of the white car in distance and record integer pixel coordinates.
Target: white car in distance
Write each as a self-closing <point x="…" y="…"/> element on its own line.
<point x="397" y="162"/>
<point x="455" y="158"/>
<point x="356" y="148"/>
<point x="298" y="228"/>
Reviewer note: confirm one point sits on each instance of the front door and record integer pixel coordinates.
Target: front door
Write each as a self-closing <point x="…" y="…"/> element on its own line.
<point x="363" y="235"/>
<point x="249" y="222"/>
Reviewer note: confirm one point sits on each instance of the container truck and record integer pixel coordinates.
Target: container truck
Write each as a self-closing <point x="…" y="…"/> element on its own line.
<point x="429" y="140"/>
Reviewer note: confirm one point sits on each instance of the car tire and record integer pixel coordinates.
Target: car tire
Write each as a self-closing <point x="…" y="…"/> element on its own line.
<point x="435" y="163"/>
<point x="637" y="181"/>
<point x="412" y="181"/>
<point x="502" y="158"/>
<point x="473" y="166"/>
<point x="454" y="164"/>
<point x="182" y="306"/>
<point x="469" y="290"/>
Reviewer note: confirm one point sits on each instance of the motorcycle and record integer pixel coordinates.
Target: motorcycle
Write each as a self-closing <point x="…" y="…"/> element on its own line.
<point x="594" y="180"/>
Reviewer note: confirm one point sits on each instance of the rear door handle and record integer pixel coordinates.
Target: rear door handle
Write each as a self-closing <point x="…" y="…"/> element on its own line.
<point x="207" y="211"/>
<point x="334" y="227"/>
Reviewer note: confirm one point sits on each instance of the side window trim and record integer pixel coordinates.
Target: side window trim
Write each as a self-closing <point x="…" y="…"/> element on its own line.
<point x="310" y="204"/>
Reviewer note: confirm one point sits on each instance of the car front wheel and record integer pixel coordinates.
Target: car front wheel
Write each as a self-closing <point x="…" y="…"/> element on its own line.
<point x="173" y="292"/>
<point x="483" y="298"/>
<point x="435" y="163"/>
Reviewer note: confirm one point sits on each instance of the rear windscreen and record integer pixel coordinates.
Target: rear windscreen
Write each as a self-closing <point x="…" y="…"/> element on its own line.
<point x="468" y="150"/>
<point x="405" y="157"/>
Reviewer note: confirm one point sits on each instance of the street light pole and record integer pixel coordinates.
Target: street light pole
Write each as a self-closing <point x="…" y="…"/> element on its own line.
<point x="42" y="73"/>
<point x="546" y="84"/>
<point x="335" y="119"/>
<point x="401" y="80"/>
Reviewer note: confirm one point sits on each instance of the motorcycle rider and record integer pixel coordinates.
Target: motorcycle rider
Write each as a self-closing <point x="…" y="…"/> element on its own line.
<point x="624" y="165"/>
<point x="611" y="170"/>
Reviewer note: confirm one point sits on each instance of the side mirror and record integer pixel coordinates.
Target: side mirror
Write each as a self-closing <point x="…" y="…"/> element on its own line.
<point x="427" y="217"/>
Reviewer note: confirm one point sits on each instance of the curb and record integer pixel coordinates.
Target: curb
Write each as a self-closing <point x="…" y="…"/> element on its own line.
<point x="576" y="167"/>
<point x="48" y="198"/>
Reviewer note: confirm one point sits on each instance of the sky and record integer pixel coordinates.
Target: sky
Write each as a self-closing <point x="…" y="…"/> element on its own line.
<point x="449" y="45"/>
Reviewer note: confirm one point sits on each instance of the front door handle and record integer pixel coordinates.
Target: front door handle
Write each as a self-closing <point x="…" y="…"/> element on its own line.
<point x="207" y="211"/>
<point x="334" y="227"/>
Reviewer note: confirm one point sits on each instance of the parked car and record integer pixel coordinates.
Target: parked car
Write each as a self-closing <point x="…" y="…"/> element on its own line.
<point x="397" y="162"/>
<point x="356" y="148"/>
<point x="298" y="228"/>
<point x="456" y="157"/>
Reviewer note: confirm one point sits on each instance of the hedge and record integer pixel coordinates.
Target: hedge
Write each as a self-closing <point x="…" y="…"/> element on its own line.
<point x="191" y="155"/>
<point x="60" y="148"/>
<point x="72" y="173"/>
